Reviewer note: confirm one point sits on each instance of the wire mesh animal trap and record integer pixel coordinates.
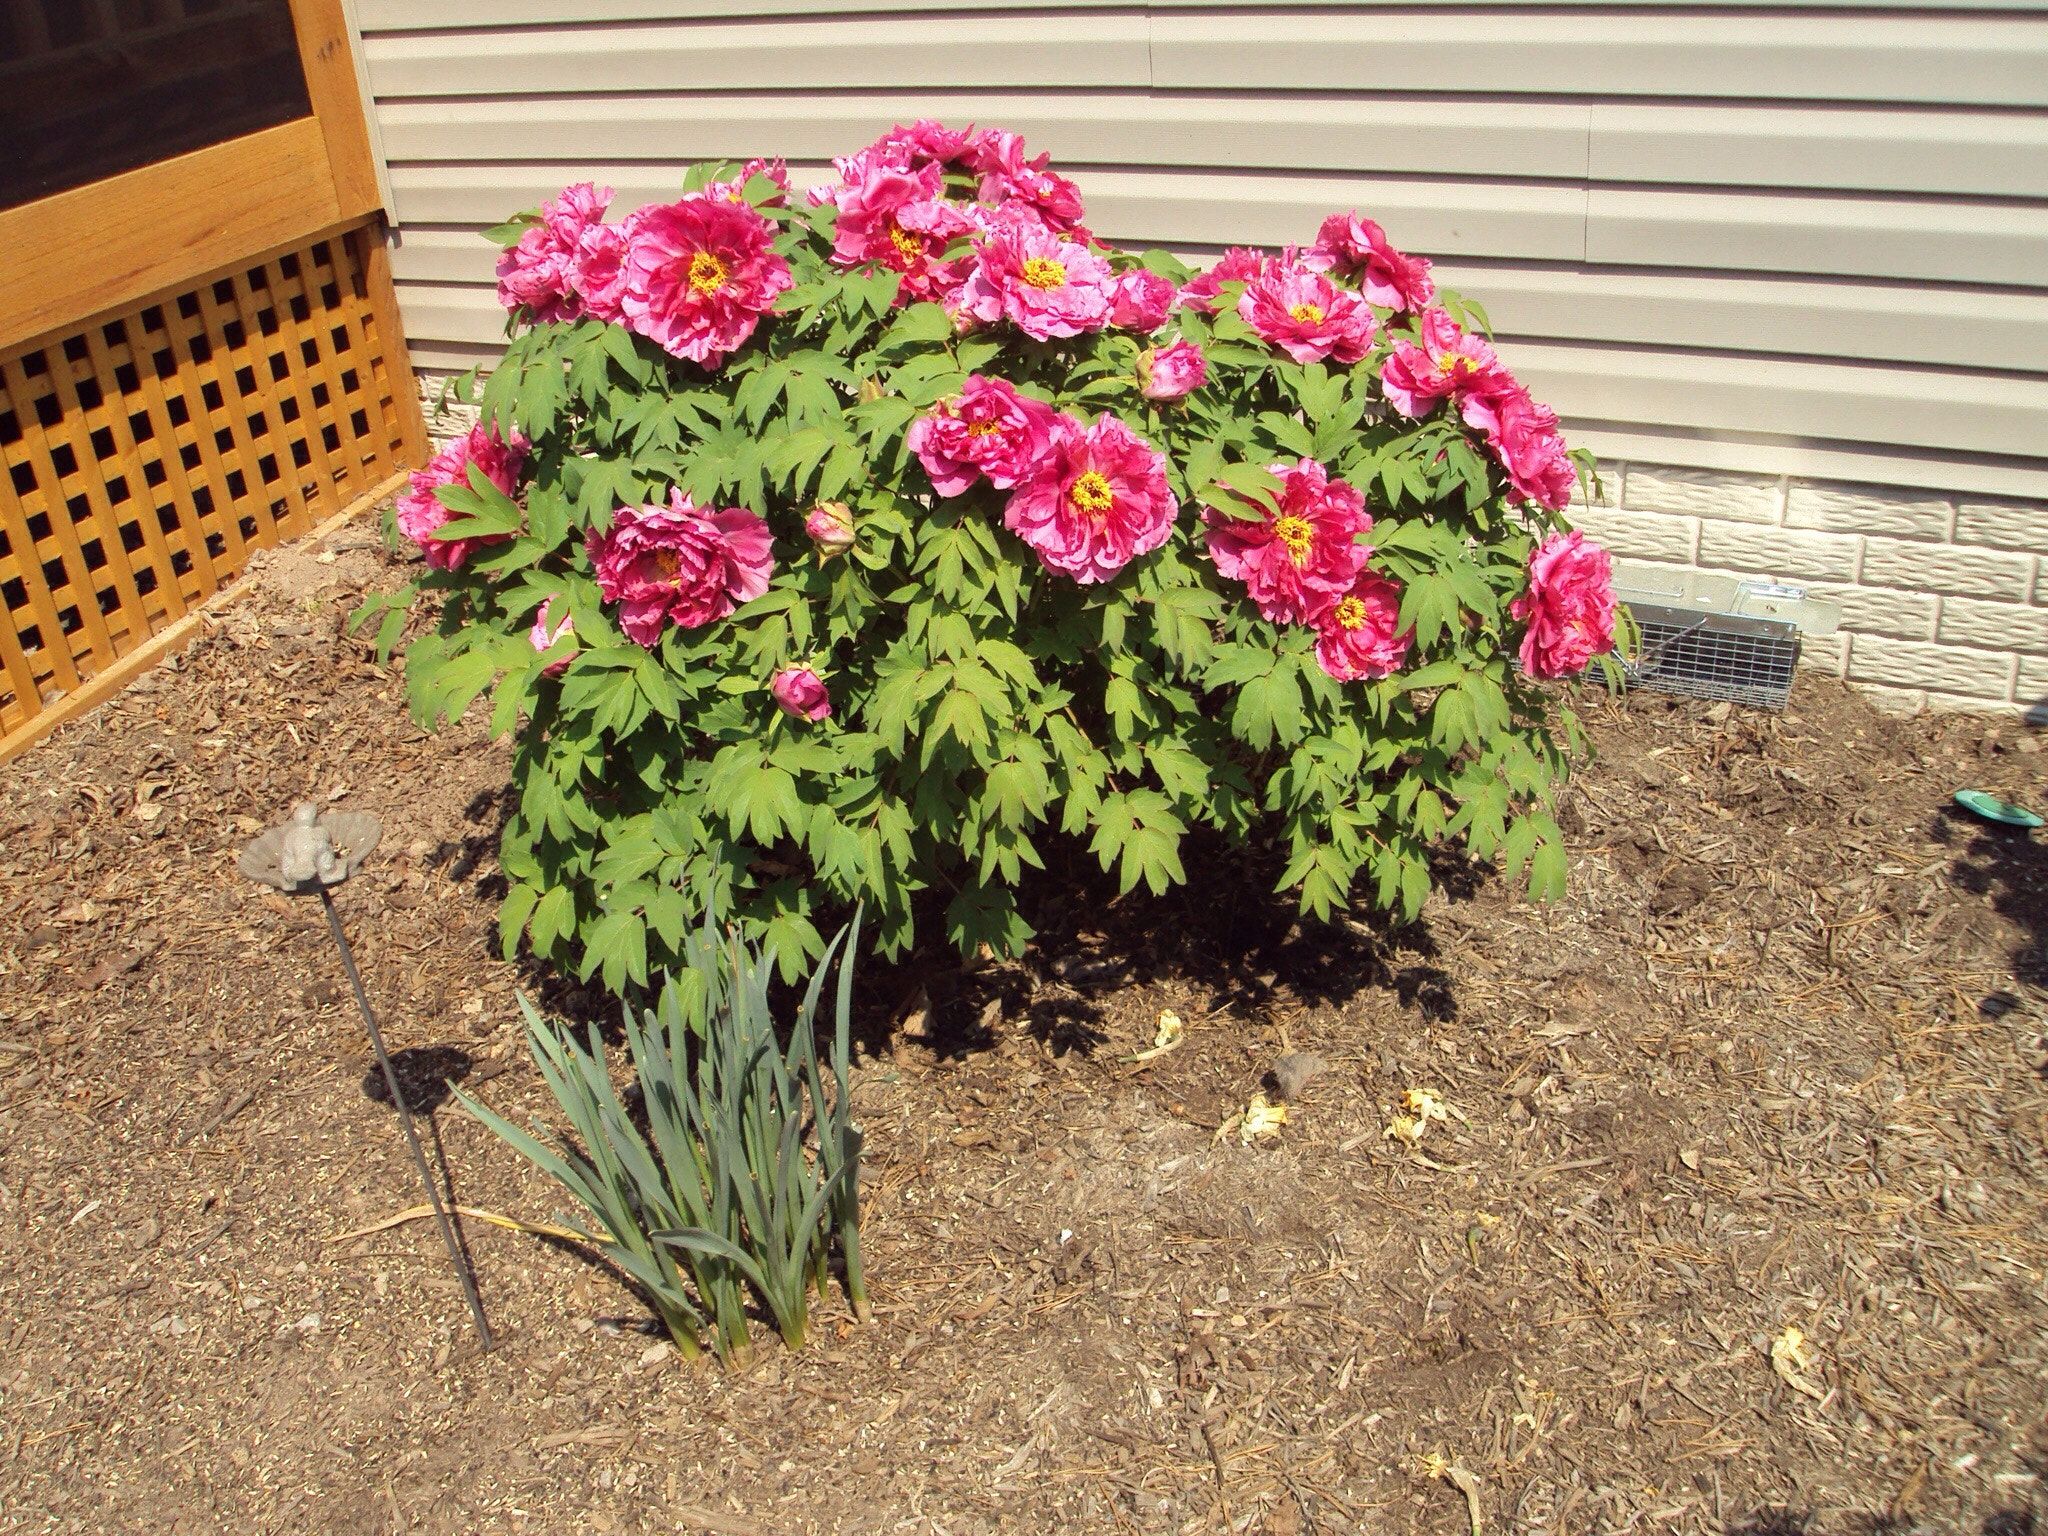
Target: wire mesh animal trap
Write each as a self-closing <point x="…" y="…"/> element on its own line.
<point x="1719" y="637"/>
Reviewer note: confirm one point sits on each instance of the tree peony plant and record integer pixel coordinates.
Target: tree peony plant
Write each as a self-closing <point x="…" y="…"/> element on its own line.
<point x="862" y="544"/>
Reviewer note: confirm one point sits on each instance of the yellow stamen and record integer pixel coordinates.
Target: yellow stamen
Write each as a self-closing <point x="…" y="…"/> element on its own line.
<point x="1297" y="535"/>
<point x="983" y="428"/>
<point x="1044" y="272"/>
<point x="908" y="245"/>
<point x="1091" y="496"/>
<point x="669" y="564"/>
<point x="1307" y="314"/>
<point x="1351" y="613"/>
<point x="707" y="273"/>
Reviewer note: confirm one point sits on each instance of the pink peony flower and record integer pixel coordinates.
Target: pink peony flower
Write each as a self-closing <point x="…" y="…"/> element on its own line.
<point x="909" y="150"/>
<point x="574" y="209"/>
<point x="1142" y="301"/>
<point x="800" y="693"/>
<point x="538" y="274"/>
<point x="927" y="141"/>
<point x="598" y="270"/>
<point x="1045" y="285"/>
<point x="1447" y="362"/>
<point x="1098" y="500"/>
<point x="1307" y="316"/>
<point x="1356" y="637"/>
<point x="1523" y="435"/>
<point x="1297" y="562"/>
<point x="535" y="275"/>
<point x="543" y="637"/>
<point x="680" y="564"/>
<point x="1569" y="606"/>
<point x="420" y="511"/>
<point x="1236" y="265"/>
<point x="991" y="152"/>
<point x="1008" y="180"/>
<point x="700" y="273"/>
<point x="1031" y="192"/>
<point x="933" y="226"/>
<point x="830" y="525"/>
<point x="988" y="429"/>
<point x="898" y="218"/>
<point x="1173" y="371"/>
<point x="1360" y="249"/>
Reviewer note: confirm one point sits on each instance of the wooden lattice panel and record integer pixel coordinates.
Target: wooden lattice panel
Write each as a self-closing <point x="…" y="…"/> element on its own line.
<point x="148" y="452"/>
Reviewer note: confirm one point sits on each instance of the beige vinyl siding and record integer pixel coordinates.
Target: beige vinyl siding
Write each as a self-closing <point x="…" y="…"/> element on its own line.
<point x="1781" y="239"/>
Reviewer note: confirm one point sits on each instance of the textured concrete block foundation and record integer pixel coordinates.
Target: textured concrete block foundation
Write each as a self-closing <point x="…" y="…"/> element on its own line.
<point x="1944" y="599"/>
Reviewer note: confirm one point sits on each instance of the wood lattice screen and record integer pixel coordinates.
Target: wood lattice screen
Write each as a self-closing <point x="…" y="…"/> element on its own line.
<point x="148" y="452"/>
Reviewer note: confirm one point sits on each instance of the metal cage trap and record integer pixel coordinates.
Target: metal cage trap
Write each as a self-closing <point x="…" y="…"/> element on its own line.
<point x="1719" y="637"/>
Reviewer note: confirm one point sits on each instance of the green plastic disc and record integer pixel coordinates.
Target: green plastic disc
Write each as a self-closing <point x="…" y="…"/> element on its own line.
<point x="1991" y="808"/>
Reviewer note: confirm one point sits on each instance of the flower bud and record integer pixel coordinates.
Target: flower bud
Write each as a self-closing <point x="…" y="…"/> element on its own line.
<point x="1171" y="372"/>
<point x="801" y="693"/>
<point x="830" y="526"/>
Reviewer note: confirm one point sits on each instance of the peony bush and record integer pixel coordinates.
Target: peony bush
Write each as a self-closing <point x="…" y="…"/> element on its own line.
<point x="859" y="545"/>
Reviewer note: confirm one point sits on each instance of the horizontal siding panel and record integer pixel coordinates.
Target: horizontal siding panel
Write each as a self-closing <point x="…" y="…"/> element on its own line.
<point x="1717" y="413"/>
<point x="1769" y="237"/>
<point x="1979" y="61"/>
<point x="1975" y="61"/>
<point x="1773" y="397"/>
<point x="1849" y="236"/>
<point x="450" y="316"/>
<point x="889" y="53"/>
<point x="1433" y="135"/>
<point x="1952" y="412"/>
<point x="468" y="15"/>
<point x="1129" y="207"/>
<point x="1964" y="154"/>
<point x="411" y="16"/>
<point x="1987" y="154"/>
<point x="1942" y="327"/>
<point x="481" y="195"/>
<point x="1867" y="322"/>
<point x="1889" y="466"/>
<point x="433" y="358"/>
<point x="1539" y="223"/>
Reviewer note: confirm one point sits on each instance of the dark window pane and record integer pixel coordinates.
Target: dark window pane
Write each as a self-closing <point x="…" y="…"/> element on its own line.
<point x="91" y="88"/>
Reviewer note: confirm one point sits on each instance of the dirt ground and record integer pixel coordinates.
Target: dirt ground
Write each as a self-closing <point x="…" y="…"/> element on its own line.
<point x="1777" y="1063"/>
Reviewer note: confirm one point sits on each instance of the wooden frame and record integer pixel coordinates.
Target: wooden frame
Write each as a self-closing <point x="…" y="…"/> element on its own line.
<point x="116" y="242"/>
<point x="198" y="359"/>
<point x="144" y="454"/>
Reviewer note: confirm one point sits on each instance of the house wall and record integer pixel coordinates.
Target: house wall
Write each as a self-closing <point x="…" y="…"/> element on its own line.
<point x="1787" y="264"/>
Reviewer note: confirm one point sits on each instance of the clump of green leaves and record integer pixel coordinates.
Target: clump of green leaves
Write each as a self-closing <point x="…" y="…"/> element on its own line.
<point x="741" y="1170"/>
<point x="981" y="705"/>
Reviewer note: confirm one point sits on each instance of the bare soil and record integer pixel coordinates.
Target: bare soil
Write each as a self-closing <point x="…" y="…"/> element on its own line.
<point x="1777" y="1063"/>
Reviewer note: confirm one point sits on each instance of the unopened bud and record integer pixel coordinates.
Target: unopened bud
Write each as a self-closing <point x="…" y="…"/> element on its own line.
<point x="830" y="525"/>
<point x="1172" y="371"/>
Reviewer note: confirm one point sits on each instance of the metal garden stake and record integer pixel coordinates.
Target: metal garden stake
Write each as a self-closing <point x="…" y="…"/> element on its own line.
<point x="308" y="856"/>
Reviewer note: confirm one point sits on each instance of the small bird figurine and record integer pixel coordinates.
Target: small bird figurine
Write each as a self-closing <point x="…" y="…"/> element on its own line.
<point x="307" y="853"/>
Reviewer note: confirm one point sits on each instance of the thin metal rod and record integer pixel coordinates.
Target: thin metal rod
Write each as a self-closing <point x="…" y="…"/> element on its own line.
<point x="419" y="1158"/>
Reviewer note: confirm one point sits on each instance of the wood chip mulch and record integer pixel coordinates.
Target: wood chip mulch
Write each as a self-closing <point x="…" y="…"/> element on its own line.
<point x="1736" y="1219"/>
